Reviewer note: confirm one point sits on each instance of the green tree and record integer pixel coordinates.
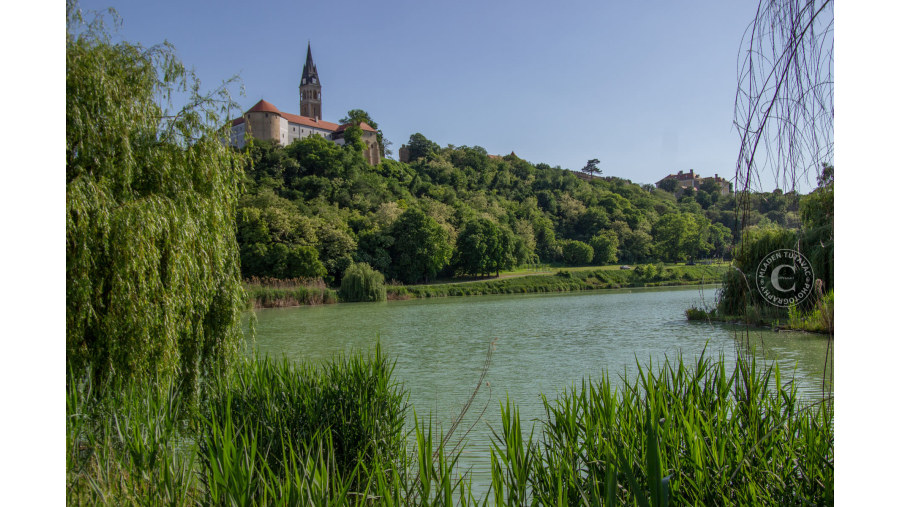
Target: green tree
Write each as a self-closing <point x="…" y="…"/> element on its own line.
<point x="710" y="187"/>
<point x="668" y="184"/>
<point x="336" y="246"/>
<point x="592" y="167"/>
<point x="420" y="147"/>
<point x="319" y="157"/>
<point x="357" y="116"/>
<point x="704" y="199"/>
<point x="484" y="247"/>
<point x="353" y="138"/>
<point x="275" y="239"/>
<point x="696" y="241"/>
<point x="362" y="283"/>
<point x="373" y="249"/>
<point x="605" y="245"/>
<point x="302" y="261"/>
<point x="670" y="234"/>
<point x="471" y="255"/>
<point x="639" y="245"/>
<point x="720" y="239"/>
<point x="270" y="166"/>
<point x="577" y="253"/>
<point x="152" y="280"/>
<point x="421" y="247"/>
<point x="817" y="215"/>
<point x="547" y="246"/>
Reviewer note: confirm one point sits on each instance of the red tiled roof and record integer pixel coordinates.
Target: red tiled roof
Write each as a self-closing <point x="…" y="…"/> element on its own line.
<point x="362" y="125"/>
<point x="682" y="177"/>
<point x="237" y="121"/>
<point x="264" y="107"/>
<point x="310" y="122"/>
<point x="268" y="107"/>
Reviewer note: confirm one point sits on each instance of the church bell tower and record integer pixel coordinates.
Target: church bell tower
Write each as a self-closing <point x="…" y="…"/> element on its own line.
<point x="310" y="89"/>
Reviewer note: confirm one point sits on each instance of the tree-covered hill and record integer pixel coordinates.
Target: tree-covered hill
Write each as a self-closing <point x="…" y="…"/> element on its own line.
<point x="313" y="208"/>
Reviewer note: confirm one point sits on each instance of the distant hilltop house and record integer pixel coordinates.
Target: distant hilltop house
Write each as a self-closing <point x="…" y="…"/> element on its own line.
<point x="264" y="121"/>
<point x="690" y="179"/>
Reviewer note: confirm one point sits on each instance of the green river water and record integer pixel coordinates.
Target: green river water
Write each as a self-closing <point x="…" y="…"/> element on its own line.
<point x="544" y="344"/>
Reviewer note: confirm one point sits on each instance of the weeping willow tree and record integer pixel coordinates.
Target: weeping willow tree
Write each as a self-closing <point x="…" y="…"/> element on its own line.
<point x="152" y="268"/>
<point x="784" y="106"/>
<point x="362" y="283"/>
<point x="784" y="113"/>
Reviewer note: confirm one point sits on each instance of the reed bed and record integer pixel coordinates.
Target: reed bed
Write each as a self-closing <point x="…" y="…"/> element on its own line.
<point x="698" y="434"/>
<point x="280" y="433"/>
<point x="271" y="433"/>
<point x="277" y="292"/>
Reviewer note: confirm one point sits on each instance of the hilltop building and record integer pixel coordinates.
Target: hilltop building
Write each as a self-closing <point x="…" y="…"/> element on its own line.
<point x="693" y="180"/>
<point x="266" y="122"/>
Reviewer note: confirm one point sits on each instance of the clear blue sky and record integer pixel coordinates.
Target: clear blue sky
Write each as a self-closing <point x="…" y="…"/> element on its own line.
<point x="646" y="87"/>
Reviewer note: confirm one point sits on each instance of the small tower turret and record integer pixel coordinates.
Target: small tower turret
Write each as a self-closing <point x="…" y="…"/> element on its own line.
<point x="310" y="89"/>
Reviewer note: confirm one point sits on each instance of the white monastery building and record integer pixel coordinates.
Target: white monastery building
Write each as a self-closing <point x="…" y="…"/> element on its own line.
<point x="265" y="121"/>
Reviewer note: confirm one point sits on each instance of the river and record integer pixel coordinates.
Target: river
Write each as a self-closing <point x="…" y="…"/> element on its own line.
<point x="543" y="344"/>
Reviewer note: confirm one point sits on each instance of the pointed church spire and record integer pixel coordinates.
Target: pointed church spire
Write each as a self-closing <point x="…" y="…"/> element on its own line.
<point x="310" y="88"/>
<point x="310" y="74"/>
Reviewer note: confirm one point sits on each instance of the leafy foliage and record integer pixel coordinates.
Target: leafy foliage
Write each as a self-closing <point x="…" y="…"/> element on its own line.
<point x="362" y="283"/>
<point x="329" y="198"/>
<point x="815" y="241"/>
<point x="357" y="116"/>
<point x="605" y="246"/>
<point x="482" y="247"/>
<point x="420" y="147"/>
<point x="421" y="247"/>
<point x="152" y="281"/>
<point x="577" y="253"/>
<point x="592" y="167"/>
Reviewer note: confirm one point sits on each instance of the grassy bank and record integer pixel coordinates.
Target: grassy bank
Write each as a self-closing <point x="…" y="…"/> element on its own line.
<point x="273" y="292"/>
<point x="566" y="280"/>
<point x="289" y="434"/>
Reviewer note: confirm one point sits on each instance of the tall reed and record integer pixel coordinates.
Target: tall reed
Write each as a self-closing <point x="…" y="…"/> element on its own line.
<point x="126" y="445"/>
<point x="701" y="434"/>
<point x="274" y="432"/>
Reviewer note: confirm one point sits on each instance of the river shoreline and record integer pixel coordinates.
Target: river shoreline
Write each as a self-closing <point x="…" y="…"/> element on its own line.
<point x="737" y="320"/>
<point x="280" y="295"/>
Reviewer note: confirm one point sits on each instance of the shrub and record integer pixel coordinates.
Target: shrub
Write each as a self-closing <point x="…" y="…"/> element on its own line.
<point x="646" y="272"/>
<point x="605" y="246"/>
<point x="577" y="253"/>
<point x="362" y="283"/>
<point x="695" y="313"/>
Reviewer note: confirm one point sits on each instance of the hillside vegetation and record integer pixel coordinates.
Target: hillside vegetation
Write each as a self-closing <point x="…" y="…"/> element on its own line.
<point x="313" y="208"/>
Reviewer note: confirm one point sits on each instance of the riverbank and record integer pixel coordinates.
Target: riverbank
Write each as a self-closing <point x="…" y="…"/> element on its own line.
<point x="272" y="293"/>
<point x="819" y="320"/>
<point x="566" y="280"/>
